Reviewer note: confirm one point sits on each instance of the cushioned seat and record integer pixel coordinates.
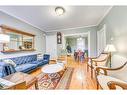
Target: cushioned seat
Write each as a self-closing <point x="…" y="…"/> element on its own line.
<point x="25" y="67"/>
<point x="43" y="61"/>
<point x="40" y="62"/>
<point x="103" y="80"/>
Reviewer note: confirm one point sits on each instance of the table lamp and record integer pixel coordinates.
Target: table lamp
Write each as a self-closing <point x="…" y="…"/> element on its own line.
<point x="4" y="38"/>
<point x="110" y="48"/>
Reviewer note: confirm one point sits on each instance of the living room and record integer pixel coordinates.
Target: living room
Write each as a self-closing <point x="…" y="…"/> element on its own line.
<point x="34" y="53"/>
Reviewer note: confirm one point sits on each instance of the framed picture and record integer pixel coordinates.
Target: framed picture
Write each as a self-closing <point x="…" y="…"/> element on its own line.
<point x="59" y="38"/>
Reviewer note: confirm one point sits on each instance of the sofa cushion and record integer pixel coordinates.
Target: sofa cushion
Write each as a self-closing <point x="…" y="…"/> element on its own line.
<point x="40" y="62"/>
<point x="24" y="59"/>
<point x="103" y="80"/>
<point x="25" y="67"/>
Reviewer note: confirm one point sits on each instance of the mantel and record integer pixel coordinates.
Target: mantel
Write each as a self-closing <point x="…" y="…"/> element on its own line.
<point x="12" y="51"/>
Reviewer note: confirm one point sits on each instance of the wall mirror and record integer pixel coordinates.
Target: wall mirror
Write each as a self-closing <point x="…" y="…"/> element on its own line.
<point x="19" y="40"/>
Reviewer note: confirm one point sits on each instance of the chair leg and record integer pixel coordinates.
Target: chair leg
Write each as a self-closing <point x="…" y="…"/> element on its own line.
<point x="36" y="85"/>
<point x="97" y="85"/>
<point x="95" y="74"/>
<point x="96" y="80"/>
<point x="91" y="72"/>
<point x="87" y="68"/>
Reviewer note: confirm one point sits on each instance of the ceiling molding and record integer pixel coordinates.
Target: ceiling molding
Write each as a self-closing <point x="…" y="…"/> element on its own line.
<point x="18" y="18"/>
<point x="106" y="13"/>
<point x="71" y="28"/>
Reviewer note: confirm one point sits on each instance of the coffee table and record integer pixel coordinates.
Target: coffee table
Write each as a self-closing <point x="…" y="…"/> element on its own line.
<point x="19" y="77"/>
<point x="52" y="68"/>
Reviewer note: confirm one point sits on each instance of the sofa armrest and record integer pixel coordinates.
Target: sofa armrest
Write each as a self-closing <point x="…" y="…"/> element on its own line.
<point x="105" y="69"/>
<point x="91" y="58"/>
<point x="112" y="85"/>
<point x="98" y="60"/>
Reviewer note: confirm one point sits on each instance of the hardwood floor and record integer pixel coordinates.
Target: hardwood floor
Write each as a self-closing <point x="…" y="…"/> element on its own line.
<point x="80" y="79"/>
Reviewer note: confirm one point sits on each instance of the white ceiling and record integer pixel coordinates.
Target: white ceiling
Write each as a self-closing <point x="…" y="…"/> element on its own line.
<point x="44" y="17"/>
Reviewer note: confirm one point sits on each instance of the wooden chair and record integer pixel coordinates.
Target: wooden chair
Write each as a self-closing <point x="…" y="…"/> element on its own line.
<point x="114" y="78"/>
<point x="101" y="60"/>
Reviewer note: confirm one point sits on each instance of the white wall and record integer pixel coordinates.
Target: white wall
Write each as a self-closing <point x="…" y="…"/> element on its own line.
<point x="51" y="45"/>
<point x="18" y="24"/>
<point x="92" y="44"/>
<point x="116" y="33"/>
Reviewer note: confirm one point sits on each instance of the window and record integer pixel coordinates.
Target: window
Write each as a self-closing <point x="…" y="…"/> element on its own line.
<point x="81" y="44"/>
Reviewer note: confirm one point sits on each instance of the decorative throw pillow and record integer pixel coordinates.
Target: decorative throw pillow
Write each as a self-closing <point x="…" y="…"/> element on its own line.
<point x="9" y="61"/>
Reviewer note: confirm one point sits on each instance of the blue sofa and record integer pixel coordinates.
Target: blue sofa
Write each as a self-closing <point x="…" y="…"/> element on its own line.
<point x="25" y="64"/>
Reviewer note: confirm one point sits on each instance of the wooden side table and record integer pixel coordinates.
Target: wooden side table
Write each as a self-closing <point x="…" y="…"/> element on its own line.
<point x="19" y="77"/>
<point x="52" y="61"/>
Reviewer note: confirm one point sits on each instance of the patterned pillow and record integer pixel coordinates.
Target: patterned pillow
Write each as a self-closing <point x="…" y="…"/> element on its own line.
<point x="9" y="61"/>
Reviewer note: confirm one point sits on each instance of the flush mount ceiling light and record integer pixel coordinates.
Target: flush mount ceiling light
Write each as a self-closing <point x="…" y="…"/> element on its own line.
<point x="59" y="11"/>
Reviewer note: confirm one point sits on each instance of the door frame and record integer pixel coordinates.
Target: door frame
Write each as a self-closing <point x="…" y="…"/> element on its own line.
<point x="103" y="29"/>
<point x="88" y="36"/>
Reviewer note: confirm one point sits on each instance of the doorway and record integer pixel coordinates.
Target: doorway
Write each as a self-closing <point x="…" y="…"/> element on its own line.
<point x="76" y="43"/>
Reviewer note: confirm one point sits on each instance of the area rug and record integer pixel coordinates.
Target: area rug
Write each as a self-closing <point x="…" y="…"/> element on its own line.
<point x="52" y="81"/>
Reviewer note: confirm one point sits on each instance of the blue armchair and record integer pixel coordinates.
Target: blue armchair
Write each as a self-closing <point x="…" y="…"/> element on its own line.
<point x="46" y="57"/>
<point x="44" y="60"/>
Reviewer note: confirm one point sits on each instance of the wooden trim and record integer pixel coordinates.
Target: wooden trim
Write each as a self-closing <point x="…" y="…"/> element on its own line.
<point x="112" y="69"/>
<point x="4" y="27"/>
<point x="100" y="68"/>
<point x="11" y="51"/>
<point x="100" y="60"/>
<point x="97" y="56"/>
<point x="112" y="85"/>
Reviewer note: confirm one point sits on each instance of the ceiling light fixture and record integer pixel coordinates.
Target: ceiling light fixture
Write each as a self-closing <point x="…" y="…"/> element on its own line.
<point x="59" y="11"/>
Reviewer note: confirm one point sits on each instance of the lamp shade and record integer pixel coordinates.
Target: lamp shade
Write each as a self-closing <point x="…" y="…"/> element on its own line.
<point x="110" y="48"/>
<point x="4" y="38"/>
